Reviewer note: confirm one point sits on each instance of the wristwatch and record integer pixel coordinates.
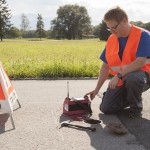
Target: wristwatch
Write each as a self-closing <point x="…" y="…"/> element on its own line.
<point x="119" y="75"/>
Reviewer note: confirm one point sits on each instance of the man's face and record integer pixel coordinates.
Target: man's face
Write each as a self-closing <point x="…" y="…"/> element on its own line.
<point x="115" y="27"/>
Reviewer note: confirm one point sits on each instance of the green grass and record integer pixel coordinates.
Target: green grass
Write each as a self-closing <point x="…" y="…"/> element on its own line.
<point x="27" y="58"/>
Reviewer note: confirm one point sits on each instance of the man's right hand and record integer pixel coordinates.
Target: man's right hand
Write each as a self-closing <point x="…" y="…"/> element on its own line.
<point x="92" y="94"/>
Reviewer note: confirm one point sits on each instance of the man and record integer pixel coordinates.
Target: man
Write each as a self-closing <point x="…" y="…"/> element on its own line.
<point x="126" y="56"/>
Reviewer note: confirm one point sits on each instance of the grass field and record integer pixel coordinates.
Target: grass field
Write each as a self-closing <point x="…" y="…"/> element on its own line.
<point x="25" y="58"/>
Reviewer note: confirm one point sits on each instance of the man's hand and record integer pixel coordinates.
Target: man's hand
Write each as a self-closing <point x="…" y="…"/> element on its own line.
<point x="113" y="82"/>
<point x="92" y="94"/>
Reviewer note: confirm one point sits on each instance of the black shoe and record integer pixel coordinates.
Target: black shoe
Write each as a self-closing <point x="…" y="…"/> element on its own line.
<point x="135" y="115"/>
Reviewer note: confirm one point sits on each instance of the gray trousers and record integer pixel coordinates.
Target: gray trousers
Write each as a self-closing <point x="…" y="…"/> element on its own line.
<point x="129" y="94"/>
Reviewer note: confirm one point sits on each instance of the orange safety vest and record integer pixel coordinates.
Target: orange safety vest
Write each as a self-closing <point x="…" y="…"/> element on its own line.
<point x="129" y="54"/>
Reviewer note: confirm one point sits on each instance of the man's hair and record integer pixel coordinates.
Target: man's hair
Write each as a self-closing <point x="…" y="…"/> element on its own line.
<point x="116" y="14"/>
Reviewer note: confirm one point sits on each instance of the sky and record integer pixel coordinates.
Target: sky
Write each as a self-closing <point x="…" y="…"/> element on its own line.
<point x="137" y="10"/>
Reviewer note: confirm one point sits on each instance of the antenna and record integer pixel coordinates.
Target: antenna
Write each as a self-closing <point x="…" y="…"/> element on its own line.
<point x="68" y="89"/>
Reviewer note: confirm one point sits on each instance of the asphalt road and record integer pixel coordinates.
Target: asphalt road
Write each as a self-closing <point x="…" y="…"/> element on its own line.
<point x="38" y="120"/>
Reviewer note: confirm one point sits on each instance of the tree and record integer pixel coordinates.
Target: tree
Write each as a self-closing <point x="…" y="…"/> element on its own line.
<point x="72" y="22"/>
<point x="30" y="34"/>
<point x="40" y="26"/>
<point x="138" y="23"/>
<point x="104" y="33"/>
<point x="5" y="16"/>
<point x="96" y="30"/>
<point x="24" y="24"/>
<point x="147" y="26"/>
<point x="141" y="24"/>
<point x="13" y="32"/>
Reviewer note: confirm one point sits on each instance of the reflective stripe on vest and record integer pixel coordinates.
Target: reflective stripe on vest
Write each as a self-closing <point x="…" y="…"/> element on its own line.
<point x="129" y="54"/>
<point x="117" y="68"/>
<point x="120" y="68"/>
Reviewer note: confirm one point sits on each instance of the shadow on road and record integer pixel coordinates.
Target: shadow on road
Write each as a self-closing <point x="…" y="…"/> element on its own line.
<point x="96" y="138"/>
<point x="139" y="127"/>
<point x="102" y="138"/>
<point x="3" y="120"/>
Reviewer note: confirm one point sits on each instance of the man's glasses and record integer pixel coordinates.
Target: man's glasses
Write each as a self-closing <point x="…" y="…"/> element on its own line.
<point x="113" y="28"/>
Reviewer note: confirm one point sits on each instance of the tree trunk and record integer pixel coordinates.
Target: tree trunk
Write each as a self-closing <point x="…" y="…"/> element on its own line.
<point x="1" y="38"/>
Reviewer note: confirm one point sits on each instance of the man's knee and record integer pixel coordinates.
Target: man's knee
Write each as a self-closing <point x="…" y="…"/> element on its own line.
<point x="105" y="109"/>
